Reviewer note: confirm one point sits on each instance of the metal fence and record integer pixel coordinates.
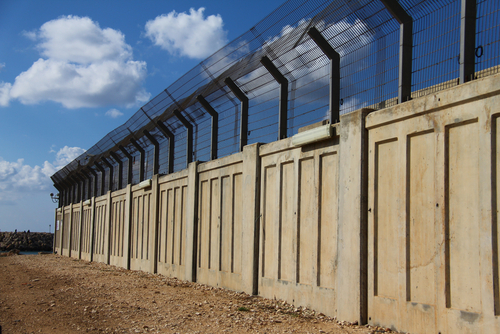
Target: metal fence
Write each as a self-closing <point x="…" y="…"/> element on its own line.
<point x="387" y="52"/>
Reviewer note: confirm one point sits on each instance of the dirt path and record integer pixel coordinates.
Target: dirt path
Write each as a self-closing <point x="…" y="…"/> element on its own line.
<point x="54" y="294"/>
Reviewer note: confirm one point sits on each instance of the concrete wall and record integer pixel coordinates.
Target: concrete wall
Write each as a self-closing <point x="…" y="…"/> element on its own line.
<point x="433" y="225"/>
<point x="393" y="221"/>
<point x="86" y="232"/>
<point x="75" y="230"/>
<point x="172" y="222"/>
<point x="117" y="227"/>
<point x="299" y="222"/>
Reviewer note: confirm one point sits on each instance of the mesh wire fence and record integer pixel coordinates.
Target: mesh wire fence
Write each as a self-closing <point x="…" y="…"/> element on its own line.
<point x="363" y="32"/>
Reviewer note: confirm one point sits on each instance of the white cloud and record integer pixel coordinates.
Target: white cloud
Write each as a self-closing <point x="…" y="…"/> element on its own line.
<point x="5" y="88"/>
<point x="17" y="178"/>
<point x="190" y="35"/>
<point x="67" y="154"/>
<point x="2" y="65"/>
<point x="84" y="66"/>
<point x="80" y="40"/>
<point x="113" y="113"/>
<point x="29" y="35"/>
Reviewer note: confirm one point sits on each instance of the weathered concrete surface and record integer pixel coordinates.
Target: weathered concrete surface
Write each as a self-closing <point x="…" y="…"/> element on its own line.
<point x="299" y="222"/>
<point x="393" y="221"/>
<point x="26" y="241"/>
<point x="433" y="225"/>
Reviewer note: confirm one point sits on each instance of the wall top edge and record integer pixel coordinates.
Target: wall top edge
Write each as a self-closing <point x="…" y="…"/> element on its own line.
<point x="287" y="143"/>
<point x="119" y="192"/>
<point x="101" y="198"/>
<point x="173" y="177"/>
<point x="465" y="93"/>
<point x="221" y="162"/>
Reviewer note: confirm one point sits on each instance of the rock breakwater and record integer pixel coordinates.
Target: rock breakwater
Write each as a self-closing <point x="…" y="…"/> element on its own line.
<point x="26" y="241"/>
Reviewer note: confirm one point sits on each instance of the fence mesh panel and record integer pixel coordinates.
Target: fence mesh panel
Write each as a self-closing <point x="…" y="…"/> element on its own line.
<point x="363" y="32"/>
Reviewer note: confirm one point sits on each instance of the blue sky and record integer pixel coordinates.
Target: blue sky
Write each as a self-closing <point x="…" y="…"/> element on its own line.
<point x="72" y="71"/>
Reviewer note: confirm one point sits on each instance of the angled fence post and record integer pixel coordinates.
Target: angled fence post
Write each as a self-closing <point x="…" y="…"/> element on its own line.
<point x="120" y="168"/>
<point x="405" y="47"/>
<point x="110" y="176"/>
<point x="171" y="144"/>
<point x="189" y="137"/>
<point x="129" y="168"/>
<point x="92" y="215"/>
<point x="243" y="112"/>
<point x="103" y="177"/>
<point x="334" y="57"/>
<point x="142" y="158"/>
<point x="94" y="190"/>
<point x="82" y="176"/>
<point x="156" y="156"/>
<point x="283" y="106"/>
<point x="215" y="126"/>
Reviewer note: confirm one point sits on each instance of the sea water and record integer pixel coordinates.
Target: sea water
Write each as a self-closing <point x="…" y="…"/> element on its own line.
<point x="26" y="253"/>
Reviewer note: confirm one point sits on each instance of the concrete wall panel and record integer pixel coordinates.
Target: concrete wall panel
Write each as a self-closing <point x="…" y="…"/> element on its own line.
<point x="385" y="230"/>
<point x="117" y="229"/>
<point x="237" y="224"/>
<point x="86" y="233"/>
<point x="75" y="231"/>
<point x="287" y="241"/>
<point x="220" y="201"/>
<point x="269" y="229"/>
<point x="445" y="212"/>
<point x="100" y="229"/>
<point x="172" y="227"/>
<point x="463" y="220"/>
<point x="140" y="229"/>
<point x="293" y="181"/>
<point x="66" y="230"/>
<point x="307" y="223"/>
<point x="328" y="220"/>
<point x="420" y="241"/>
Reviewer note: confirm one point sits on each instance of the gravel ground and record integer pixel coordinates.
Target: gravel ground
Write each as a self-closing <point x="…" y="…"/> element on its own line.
<point x="55" y="294"/>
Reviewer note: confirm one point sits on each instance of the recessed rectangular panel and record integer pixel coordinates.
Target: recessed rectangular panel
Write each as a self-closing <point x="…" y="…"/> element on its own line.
<point x="463" y="260"/>
<point x="269" y="256"/>
<point x="133" y="231"/>
<point x="203" y="226"/>
<point x="170" y="226"/>
<point x="237" y="223"/>
<point x="287" y="218"/>
<point x="328" y="220"/>
<point x="214" y="224"/>
<point x="226" y="224"/>
<point x="66" y="227"/>
<point x="421" y="205"/>
<point x="308" y="209"/>
<point x="162" y="232"/>
<point x="182" y="226"/>
<point x="146" y="224"/>
<point x="177" y="224"/>
<point x="386" y="220"/>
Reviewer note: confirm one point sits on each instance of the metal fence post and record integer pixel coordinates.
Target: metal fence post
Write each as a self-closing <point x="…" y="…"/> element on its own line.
<point x="405" y="48"/>
<point x="283" y="106"/>
<point x="467" y="40"/>
<point x="334" y="57"/>
<point x="215" y="126"/>
<point x="189" y="137"/>
<point x="243" y="112"/>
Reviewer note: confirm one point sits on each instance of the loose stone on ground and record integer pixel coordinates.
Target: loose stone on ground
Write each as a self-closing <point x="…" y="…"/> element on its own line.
<point x="55" y="294"/>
